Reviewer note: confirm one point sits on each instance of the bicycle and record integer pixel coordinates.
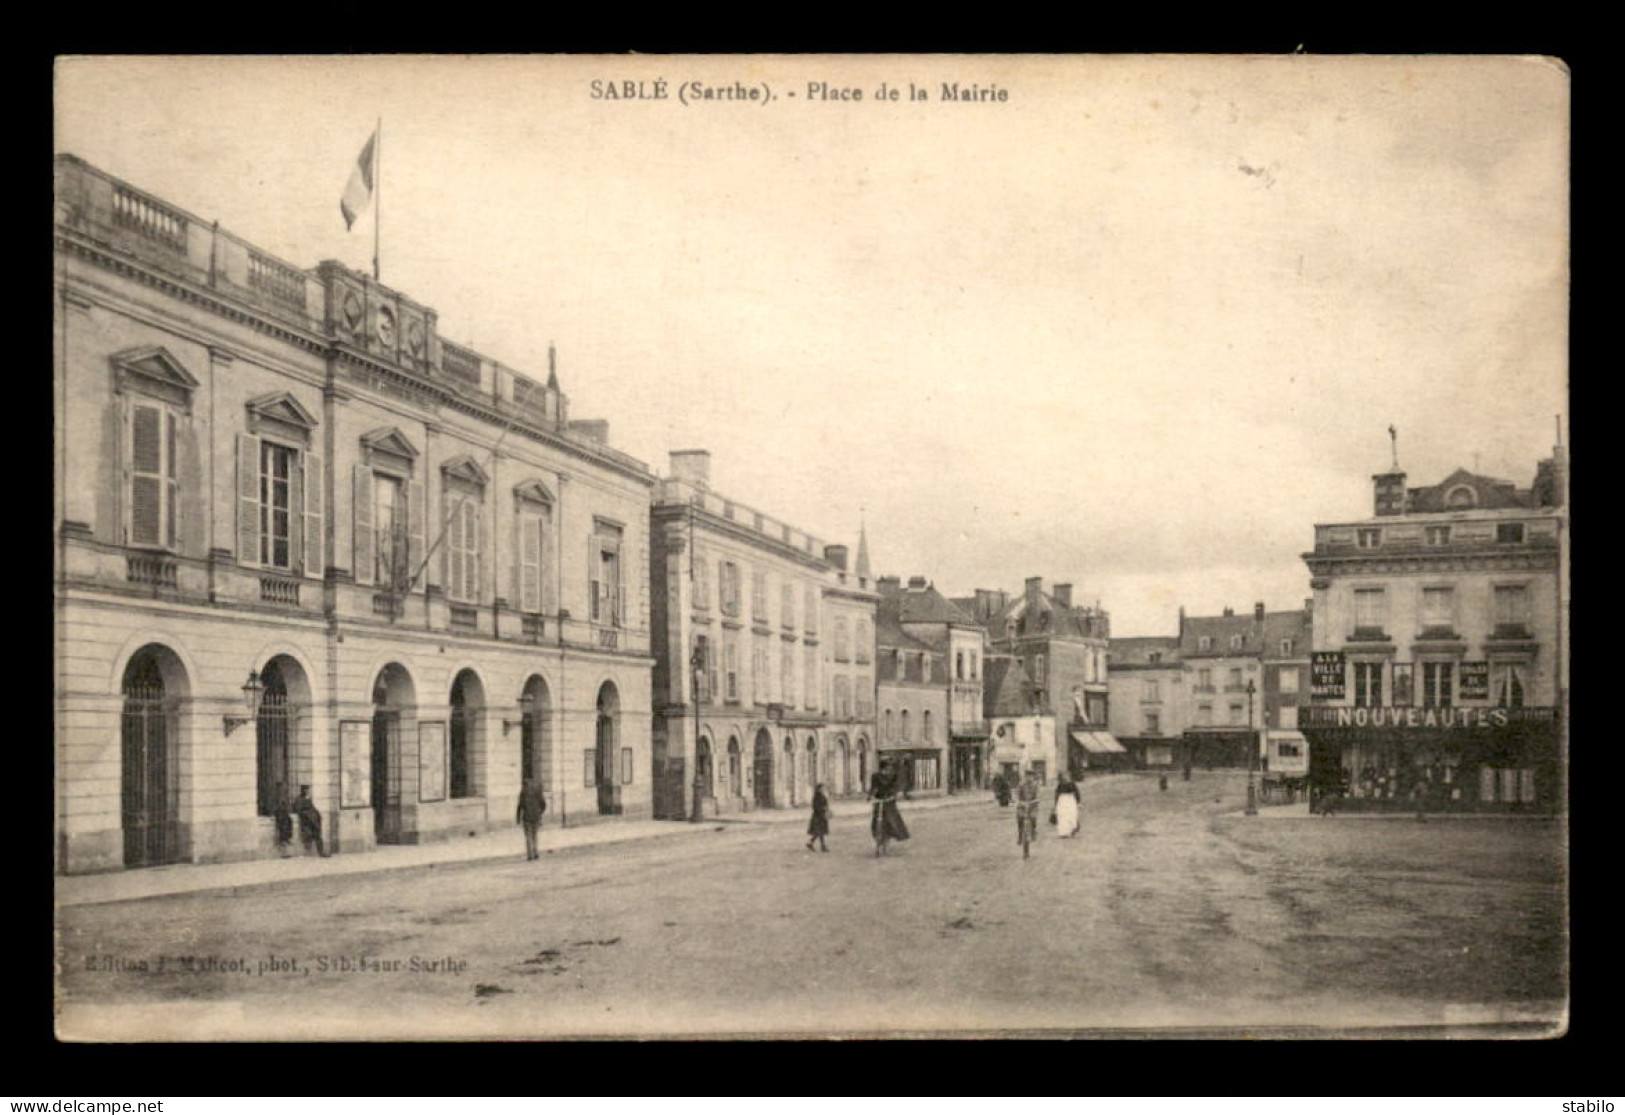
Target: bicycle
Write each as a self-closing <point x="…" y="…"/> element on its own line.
<point x="1026" y="826"/>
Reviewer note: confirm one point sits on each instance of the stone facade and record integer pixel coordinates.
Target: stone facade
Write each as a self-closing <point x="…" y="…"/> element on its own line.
<point x="778" y="638"/>
<point x="1439" y="643"/>
<point x="297" y="533"/>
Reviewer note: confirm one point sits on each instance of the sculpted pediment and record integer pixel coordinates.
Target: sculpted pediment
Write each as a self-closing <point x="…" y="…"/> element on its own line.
<point x="465" y="468"/>
<point x="154" y="369"/>
<point x="389" y="442"/>
<point x="534" y="491"/>
<point x="283" y="408"/>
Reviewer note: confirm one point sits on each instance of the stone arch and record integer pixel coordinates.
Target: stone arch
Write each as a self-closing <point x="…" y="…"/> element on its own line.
<point x="606" y="744"/>
<point x="536" y="731"/>
<point x="284" y="726"/>
<point x="152" y="682"/>
<point x="393" y="696"/>
<point x="762" y="769"/>
<point x="466" y="735"/>
<point x="179" y="669"/>
<point x="736" y="767"/>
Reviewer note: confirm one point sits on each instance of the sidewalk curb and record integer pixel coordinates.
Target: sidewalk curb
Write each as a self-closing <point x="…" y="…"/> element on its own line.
<point x="366" y="867"/>
<point x="363" y="865"/>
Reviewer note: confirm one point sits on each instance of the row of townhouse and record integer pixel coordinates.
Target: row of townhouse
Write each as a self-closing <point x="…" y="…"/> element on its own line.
<point x="303" y="540"/>
<point x="1224" y="691"/>
<point x="1428" y="671"/>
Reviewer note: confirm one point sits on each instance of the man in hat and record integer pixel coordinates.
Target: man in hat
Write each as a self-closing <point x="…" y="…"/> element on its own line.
<point x="310" y="822"/>
<point x="529" y="814"/>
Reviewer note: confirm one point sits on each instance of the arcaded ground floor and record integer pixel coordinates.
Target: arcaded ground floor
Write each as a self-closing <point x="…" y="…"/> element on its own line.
<point x="1169" y="909"/>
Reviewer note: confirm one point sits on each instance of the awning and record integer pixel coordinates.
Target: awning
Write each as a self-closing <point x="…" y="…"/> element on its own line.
<point x="1100" y="743"/>
<point x="1288" y="737"/>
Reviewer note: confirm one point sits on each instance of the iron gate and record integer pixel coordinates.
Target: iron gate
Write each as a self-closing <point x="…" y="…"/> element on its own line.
<point x="386" y="777"/>
<point x="150" y="794"/>
<point x="271" y="731"/>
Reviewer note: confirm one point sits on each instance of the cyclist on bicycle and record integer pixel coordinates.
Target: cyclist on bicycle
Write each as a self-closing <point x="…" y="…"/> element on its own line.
<point x="1027" y="809"/>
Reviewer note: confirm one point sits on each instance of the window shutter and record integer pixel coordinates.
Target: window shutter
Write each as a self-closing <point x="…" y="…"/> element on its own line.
<point x="530" y="562"/>
<point x="366" y="539"/>
<point x="481" y="546"/>
<point x="144" y="483"/>
<point x="414" y="536"/>
<point x="314" y="481"/>
<point x="172" y="485"/>
<point x="594" y="584"/>
<point x="451" y="555"/>
<point x="516" y="587"/>
<point x="248" y="499"/>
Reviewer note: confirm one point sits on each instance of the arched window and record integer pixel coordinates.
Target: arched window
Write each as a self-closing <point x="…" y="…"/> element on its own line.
<point x="735" y="775"/>
<point x="1038" y="669"/>
<point x="1461" y="497"/>
<point x="887" y="733"/>
<point x="925" y="727"/>
<point x="466" y="712"/>
<point x="904" y="721"/>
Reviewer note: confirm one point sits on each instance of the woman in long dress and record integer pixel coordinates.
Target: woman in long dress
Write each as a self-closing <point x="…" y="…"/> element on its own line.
<point x="818" y="827"/>
<point x="887" y="822"/>
<point x="1067" y="803"/>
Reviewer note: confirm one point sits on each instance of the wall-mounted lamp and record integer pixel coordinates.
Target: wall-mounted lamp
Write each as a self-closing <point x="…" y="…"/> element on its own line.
<point x="525" y="703"/>
<point x="252" y="688"/>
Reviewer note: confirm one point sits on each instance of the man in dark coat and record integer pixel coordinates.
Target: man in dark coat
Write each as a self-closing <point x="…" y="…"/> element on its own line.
<point x="284" y="821"/>
<point x="887" y="821"/>
<point x="310" y="822"/>
<point x="818" y="826"/>
<point x="531" y="807"/>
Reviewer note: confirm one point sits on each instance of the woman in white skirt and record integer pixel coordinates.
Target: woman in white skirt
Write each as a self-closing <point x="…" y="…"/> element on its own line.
<point x="1067" y="805"/>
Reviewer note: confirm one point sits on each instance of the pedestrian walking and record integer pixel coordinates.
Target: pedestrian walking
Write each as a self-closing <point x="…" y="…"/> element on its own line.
<point x="310" y="822"/>
<point x="529" y="814"/>
<point x="1068" y="806"/>
<point x="284" y="822"/>
<point x="1001" y="790"/>
<point x="887" y="823"/>
<point x="818" y="827"/>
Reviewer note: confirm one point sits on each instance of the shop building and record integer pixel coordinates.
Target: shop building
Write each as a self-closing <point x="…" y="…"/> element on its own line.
<point x="1437" y="646"/>
<point x="302" y="540"/>
<point x="1285" y="662"/>
<point x="1220" y="656"/>
<point x="1147" y="707"/>
<point x="1021" y="734"/>
<point x="764" y="655"/>
<point x="1063" y="648"/>
<point x="930" y="688"/>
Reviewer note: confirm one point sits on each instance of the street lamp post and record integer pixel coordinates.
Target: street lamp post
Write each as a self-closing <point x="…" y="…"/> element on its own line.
<point x="696" y="667"/>
<point x="1252" y="758"/>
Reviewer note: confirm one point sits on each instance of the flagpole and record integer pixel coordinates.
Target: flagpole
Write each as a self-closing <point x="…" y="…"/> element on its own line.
<point x="378" y="196"/>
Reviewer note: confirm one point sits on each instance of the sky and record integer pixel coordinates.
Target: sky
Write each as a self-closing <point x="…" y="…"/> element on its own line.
<point x="1137" y="326"/>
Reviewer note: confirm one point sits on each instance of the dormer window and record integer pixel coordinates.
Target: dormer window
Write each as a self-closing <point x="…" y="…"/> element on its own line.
<point x="1235" y="642"/>
<point x="1154" y="657"/>
<point x="1461" y="498"/>
<point x="1204" y="643"/>
<point x="1368" y="538"/>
